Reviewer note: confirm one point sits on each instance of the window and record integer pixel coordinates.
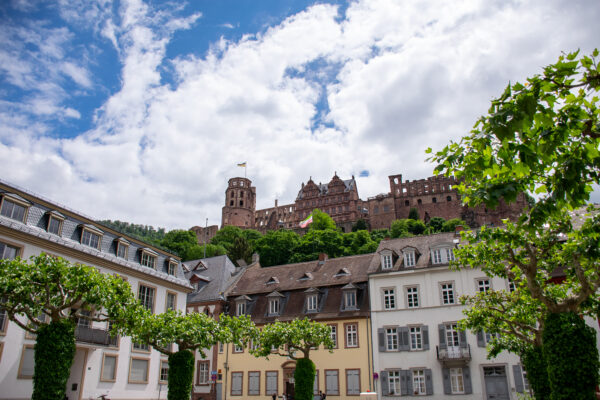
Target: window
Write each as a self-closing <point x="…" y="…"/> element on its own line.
<point x="122" y="249"/>
<point x="146" y="297"/>
<point x="8" y="251"/>
<point x="418" y="379"/>
<point x="450" y="254"/>
<point x="447" y="293"/>
<point x="171" y="302"/>
<point x="409" y="259"/>
<point x="202" y="373"/>
<point x="437" y="256"/>
<point x="412" y="297"/>
<point x="163" y="376"/>
<point x="394" y="382"/>
<point x="271" y="382"/>
<point x="391" y="339"/>
<point x="253" y="383"/>
<point x="312" y="302"/>
<point x="138" y="370"/>
<point x="350" y="300"/>
<point x="386" y="261"/>
<point x="352" y="382"/>
<point x="332" y="384"/>
<point x="144" y="347"/>
<point x="237" y="348"/>
<point x="221" y="347"/>
<point x="483" y="285"/>
<point x="54" y="224"/>
<point x="316" y="384"/>
<point x="13" y="210"/>
<point x="89" y="238"/>
<point x="236" y="383"/>
<point x="389" y="299"/>
<point x="240" y="308"/>
<point x="172" y="267"/>
<point x="511" y="285"/>
<point x="148" y="260"/>
<point x="84" y="322"/>
<point x="109" y="368"/>
<point x="416" y="338"/>
<point x="27" y="363"/>
<point x="274" y="306"/>
<point x="334" y="335"/>
<point x="3" y="321"/>
<point x="452" y="338"/>
<point x="456" y="381"/>
<point x="351" y="335"/>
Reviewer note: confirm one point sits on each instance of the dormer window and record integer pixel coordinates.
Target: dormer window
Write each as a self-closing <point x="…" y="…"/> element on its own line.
<point x="387" y="261"/>
<point x="306" y="277"/>
<point x="312" y="300"/>
<point x="274" y="299"/>
<point x="349" y="297"/>
<point x="172" y="266"/>
<point x="55" y="222"/>
<point x="450" y="254"/>
<point x="409" y="258"/>
<point x="91" y="236"/>
<point x="122" y="248"/>
<point x="272" y="280"/>
<point x="148" y="258"/>
<point x="342" y="272"/>
<point x="14" y="207"/>
<point x="436" y="256"/>
<point x="442" y="254"/>
<point x="241" y="305"/>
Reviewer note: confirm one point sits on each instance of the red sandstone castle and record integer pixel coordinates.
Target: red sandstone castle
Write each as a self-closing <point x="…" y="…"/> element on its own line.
<point x="432" y="197"/>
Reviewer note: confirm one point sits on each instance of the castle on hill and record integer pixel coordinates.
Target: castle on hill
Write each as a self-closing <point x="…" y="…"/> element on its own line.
<point x="435" y="196"/>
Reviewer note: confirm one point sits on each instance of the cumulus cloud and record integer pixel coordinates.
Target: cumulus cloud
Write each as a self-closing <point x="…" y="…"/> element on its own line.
<point x="364" y="92"/>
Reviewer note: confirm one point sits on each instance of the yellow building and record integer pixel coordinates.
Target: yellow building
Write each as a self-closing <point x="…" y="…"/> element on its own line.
<point x="331" y="291"/>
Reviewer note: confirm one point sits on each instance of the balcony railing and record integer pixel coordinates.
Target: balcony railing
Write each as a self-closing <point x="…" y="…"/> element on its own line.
<point x="454" y="355"/>
<point x="95" y="336"/>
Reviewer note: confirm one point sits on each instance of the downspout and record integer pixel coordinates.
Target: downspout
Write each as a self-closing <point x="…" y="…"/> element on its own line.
<point x="226" y="366"/>
<point x="369" y="334"/>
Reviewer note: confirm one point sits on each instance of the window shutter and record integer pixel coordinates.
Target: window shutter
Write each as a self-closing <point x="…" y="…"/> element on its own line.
<point x="236" y="383"/>
<point x="467" y="380"/>
<point x="316" y="383"/>
<point x="442" y="332"/>
<point x="332" y="382"/>
<point x="381" y="335"/>
<point x="425" y="333"/>
<point x="446" y="381"/>
<point x="462" y="337"/>
<point x="271" y="382"/>
<point x="428" y="382"/>
<point x="480" y="338"/>
<point x="253" y="384"/>
<point x="518" y="378"/>
<point x="385" y="384"/>
<point x="403" y="338"/>
<point x="352" y="382"/>
<point x="405" y="383"/>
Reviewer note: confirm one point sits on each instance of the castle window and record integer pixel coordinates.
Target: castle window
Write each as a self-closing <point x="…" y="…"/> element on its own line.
<point x="419" y="201"/>
<point x="449" y="198"/>
<point x="406" y="203"/>
<point x="376" y="209"/>
<point x="386" y="208"/>
<point x="232" y="194"/>
<point x="434" y="200"/>
<point x="231" y="203"/>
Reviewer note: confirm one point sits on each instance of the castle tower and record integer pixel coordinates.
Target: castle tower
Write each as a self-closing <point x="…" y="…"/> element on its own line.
<point x="240" y="204"/>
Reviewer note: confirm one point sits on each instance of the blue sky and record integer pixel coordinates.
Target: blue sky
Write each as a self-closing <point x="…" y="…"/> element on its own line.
<point x="140" y="110"/>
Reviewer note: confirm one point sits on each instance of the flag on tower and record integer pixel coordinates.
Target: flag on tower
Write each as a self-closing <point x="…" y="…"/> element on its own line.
<point x="306" y="222"/>
<point x="242" y="164"/>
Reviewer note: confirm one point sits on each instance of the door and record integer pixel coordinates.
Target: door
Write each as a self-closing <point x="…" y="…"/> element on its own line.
<point x="219" y="390"/>
<point x="76" y="378"/>
<point x="496" y="385"/>
<point x="452" y="341"/>
<point x="288" y="382"/>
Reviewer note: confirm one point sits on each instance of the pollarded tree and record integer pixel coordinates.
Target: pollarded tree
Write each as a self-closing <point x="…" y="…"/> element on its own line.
<point x="47" y="296"/>
<point x="190" y="332"/>
<point x="295" y="339"/>
<point x="543" y="138"/>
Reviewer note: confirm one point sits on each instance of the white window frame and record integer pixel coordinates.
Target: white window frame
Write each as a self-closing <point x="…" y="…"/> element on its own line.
<point x="274" y="306"/>
<point x="447" y="294"/>
<point x="312" y="302"/>
<point x="418" y="382"/>
<point x="351" y="335"/>
<point x="240" y="308"/>
<point x="450" y="254"/>
<point x="391" y="339"/>
<point x="416" y="338"/>
<point x="350" y="301"/>
<point x="457" y="382"/>
<point x="148" y="260"/>
<point x="452" y="335"/>
<point x="412" y="297"/>
<point x="394" y="382"/>
<point x="436" y="256"/>
<point x="386" y="261"/>
<point x="484" y="285"/>
<point x="389" y="298"/>
<point x="203" y="372"/>
<point x="410" y="258"/>
<point x="163" y="371"/>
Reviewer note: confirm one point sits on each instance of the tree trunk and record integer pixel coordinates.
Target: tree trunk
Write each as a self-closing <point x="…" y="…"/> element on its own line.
<point x="53" y="354"/>
<point x="181" y="375"/>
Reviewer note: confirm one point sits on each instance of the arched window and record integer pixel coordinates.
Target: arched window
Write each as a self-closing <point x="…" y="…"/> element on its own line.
<point x="419" y="202"/>
<point x="449" y="198"/>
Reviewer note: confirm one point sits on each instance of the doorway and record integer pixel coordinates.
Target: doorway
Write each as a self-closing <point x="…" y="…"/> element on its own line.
<point x="496" y="385"/>
<point x="288" y="382"/>
<point x="75" y="382"/>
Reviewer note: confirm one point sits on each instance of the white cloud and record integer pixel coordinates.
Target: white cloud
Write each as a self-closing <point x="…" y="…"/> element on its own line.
<point x="397" y="76"/>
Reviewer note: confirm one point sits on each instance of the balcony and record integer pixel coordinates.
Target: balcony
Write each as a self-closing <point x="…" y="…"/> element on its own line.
<point x="454" y="356"/>
<point x="94" y="336"/>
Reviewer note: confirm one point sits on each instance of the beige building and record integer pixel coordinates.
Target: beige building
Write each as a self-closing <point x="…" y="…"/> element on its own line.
<point x="330" y="291"/>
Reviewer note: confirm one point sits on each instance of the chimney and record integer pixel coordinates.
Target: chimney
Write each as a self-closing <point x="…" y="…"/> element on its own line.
<point x="255" y="258"/>
<point x="458" y="230"/>
<point x="275" y="203"/>
<point x="322" y="258"/>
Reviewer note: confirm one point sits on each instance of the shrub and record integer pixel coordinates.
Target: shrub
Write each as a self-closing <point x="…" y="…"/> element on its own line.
<point x="181" y="375"/>
<point x="304" y="377"/>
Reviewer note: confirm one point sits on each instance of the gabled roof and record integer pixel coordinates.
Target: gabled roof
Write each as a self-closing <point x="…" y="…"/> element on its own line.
<point x="288" y="276"/>
<point x="217" y="271"/>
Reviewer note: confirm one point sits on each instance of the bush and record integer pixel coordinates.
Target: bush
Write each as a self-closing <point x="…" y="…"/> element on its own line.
<point x="536" y="367"/>
<point x="413" y="214"/>
<point x="304" y="377"/>
<point x="181" y="375"/>
<point x="53" y="355"/>
<point x="572" y="357"/>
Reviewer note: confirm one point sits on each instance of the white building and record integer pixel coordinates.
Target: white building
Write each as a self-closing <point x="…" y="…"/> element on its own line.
<point x="107" y="365"/>
<point x="417" y="348"/>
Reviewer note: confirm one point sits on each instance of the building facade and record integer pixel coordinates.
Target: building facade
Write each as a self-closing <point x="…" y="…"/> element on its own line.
<point x="103" y="365"/>
<point x="418" y="348"/>
<point x="432" y="197"/>
<point x="210" y="279"/>
<point x="330" y="291"/>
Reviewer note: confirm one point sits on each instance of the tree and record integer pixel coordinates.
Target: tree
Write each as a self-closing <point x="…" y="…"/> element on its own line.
<point x="451" y="224"/>
<point x="315" y="242"/>
<point x="379" y="234"/>
<point x="290" y="339"/>
<point x="358" y="242"/>
<point x="47" y="296"/>
<point x="435" y="224"/>
<point x="239" y="243"/>
<point x="179" y="241"/>
<point x="321" y="221"/>
<point x="190" y="332"/>
<point x="542" y="138"/>
<point x="197" y="251"/>
<point x="276" y="247"/>
<point x="359" y="225"/>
